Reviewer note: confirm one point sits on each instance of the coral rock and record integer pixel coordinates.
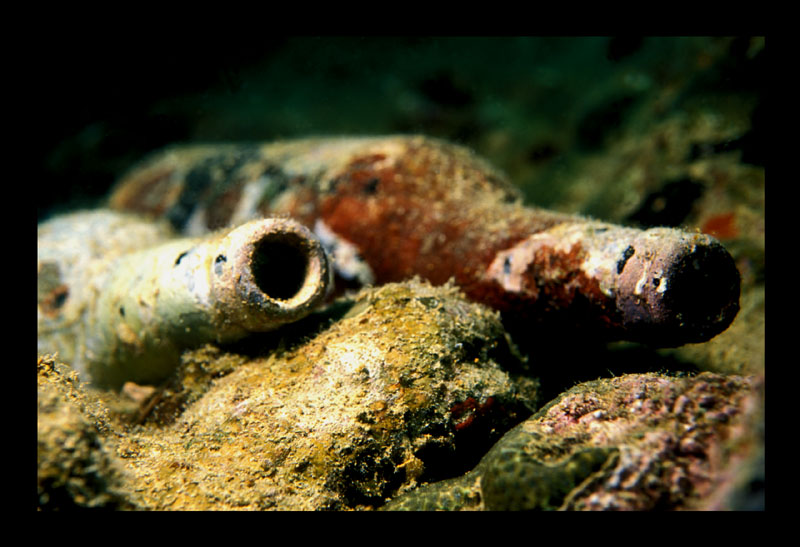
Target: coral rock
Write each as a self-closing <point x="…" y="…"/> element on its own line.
<point x="77" y="464"/>
<point x="636" y="442"/>
<point x="404" y="388"/>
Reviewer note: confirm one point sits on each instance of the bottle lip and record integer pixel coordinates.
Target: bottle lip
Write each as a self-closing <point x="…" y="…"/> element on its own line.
<point x="271" y="271"/>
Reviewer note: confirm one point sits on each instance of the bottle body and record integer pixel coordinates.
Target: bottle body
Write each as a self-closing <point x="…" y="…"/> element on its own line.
<point x="132" y="313"/>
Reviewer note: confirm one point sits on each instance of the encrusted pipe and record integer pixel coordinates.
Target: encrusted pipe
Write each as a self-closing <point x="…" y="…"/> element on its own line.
<point x="142" y="308"/>
<point x="388" y="208"/>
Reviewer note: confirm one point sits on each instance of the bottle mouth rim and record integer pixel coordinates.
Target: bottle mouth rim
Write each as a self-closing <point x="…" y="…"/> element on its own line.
<point x="278" y="268"/>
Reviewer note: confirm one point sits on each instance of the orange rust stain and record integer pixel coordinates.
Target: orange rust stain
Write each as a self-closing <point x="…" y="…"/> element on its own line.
<point x="721" y="226"/>
<point x="382" y="236"/>
<point x="558" y="277"/>
<point x="388" y="213"/>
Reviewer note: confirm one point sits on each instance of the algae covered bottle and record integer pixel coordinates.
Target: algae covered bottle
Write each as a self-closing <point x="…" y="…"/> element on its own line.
<point x="120" y="298"/>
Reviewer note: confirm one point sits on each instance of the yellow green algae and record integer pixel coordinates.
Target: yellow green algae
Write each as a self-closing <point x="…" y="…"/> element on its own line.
<point x="77" y="464"/>
<point x="405" y="387"/>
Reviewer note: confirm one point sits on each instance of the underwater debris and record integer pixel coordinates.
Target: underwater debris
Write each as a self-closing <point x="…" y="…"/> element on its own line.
<point x="395" y="207"/>
<point x="119" y="300"/>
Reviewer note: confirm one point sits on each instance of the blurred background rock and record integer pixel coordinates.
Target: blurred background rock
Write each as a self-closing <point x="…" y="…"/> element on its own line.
<point x="539" y="108"/>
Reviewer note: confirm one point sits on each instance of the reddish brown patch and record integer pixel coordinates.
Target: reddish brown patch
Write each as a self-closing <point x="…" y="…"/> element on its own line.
<point x="374" y="208"/>
<point x="405" y="221"/>
<point x="461" y="407"/>
<point x="555" y="286"/>
<point x="426" y="213"/>
<point x="722" y="226"/>
<point x="464" y="413"/>
<point x="52" y="303"/>
<point x="557" y="277"/>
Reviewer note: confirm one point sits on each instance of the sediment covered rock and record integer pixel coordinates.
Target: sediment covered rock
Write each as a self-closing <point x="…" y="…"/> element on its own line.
<point x="405" y="387"/>
<point x="636" y="442"/>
